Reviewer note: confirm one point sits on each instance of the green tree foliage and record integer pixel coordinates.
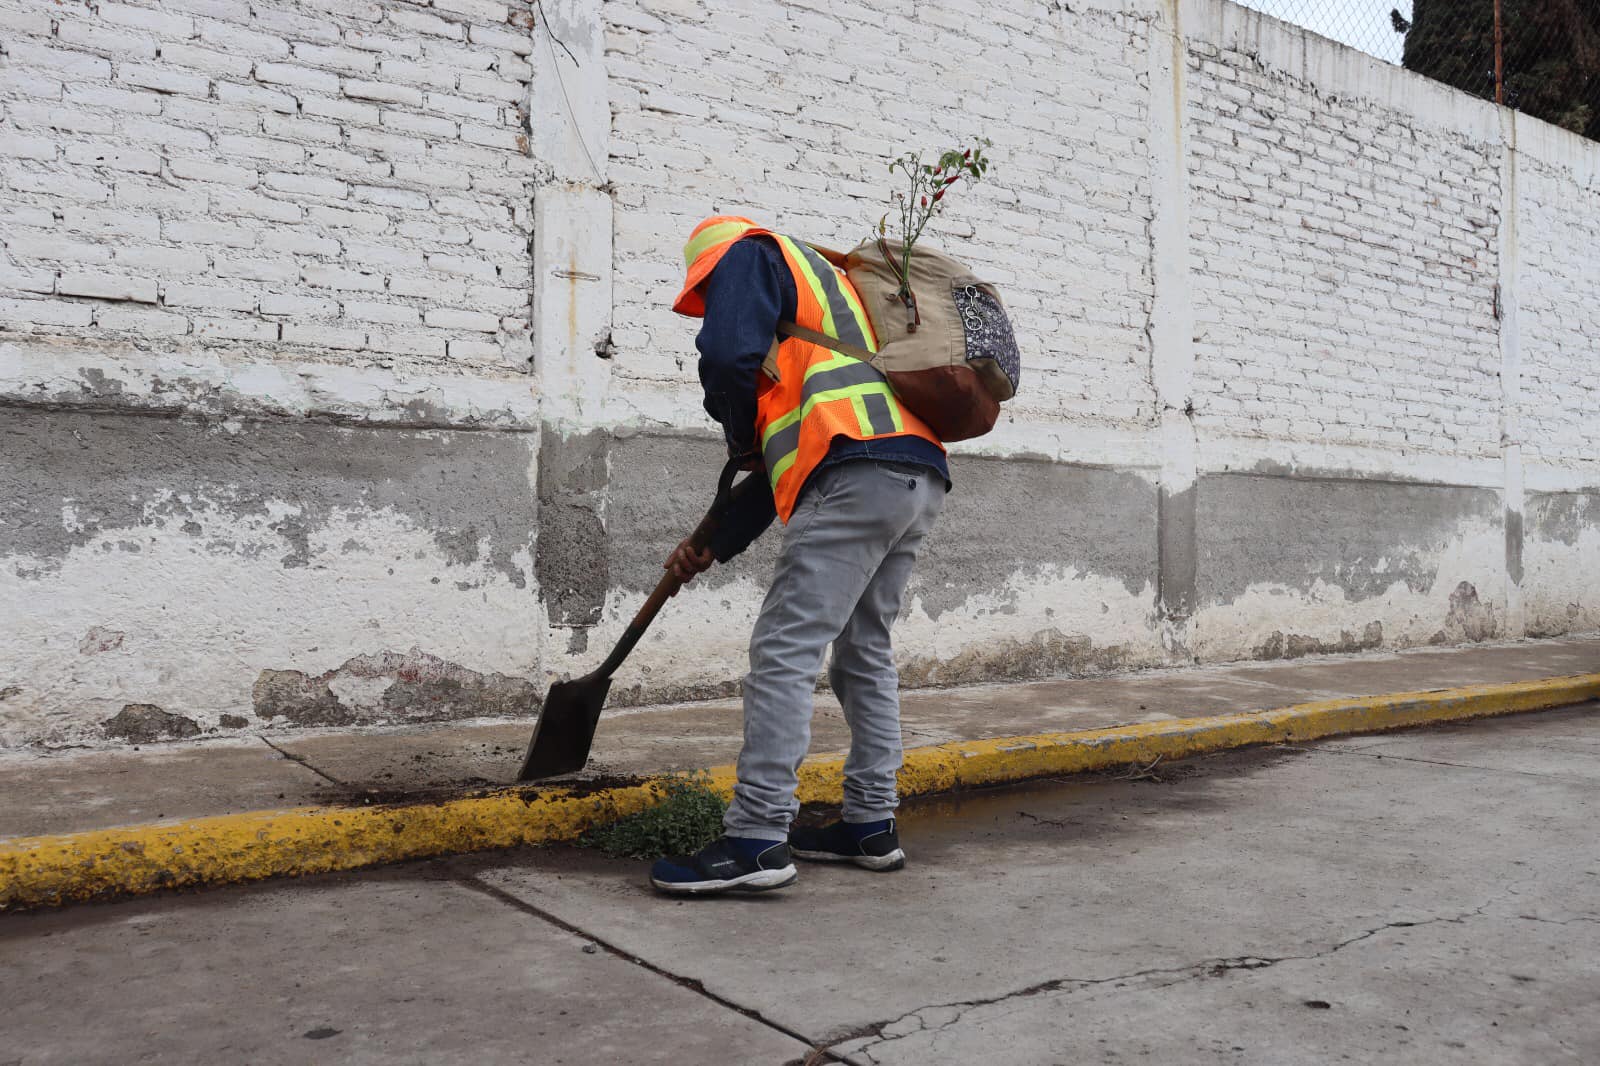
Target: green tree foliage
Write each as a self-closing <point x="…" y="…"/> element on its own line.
<point x="1550" y="54"/>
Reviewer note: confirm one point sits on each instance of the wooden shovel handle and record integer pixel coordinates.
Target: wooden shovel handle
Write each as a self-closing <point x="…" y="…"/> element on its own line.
<point x="670" y="583"/>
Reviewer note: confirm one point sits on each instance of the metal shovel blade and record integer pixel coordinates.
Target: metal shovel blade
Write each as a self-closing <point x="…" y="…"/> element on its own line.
<point x="565" y="729"/>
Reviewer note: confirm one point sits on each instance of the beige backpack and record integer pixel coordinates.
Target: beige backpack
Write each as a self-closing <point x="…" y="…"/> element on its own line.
<point x="948" y="352"/>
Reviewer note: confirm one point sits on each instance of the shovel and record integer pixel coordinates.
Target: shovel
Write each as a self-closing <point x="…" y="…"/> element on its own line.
<point x="565" y="729"/>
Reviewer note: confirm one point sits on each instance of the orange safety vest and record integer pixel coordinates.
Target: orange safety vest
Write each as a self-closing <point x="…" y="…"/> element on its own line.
<point x="818" y="394"/>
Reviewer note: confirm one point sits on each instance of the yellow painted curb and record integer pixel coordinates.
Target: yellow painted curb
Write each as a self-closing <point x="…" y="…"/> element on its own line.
<point x="48" y="870"/>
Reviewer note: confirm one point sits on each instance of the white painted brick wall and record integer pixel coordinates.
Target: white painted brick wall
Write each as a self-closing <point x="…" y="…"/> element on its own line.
<point x="787" y="113"/>
<point x="1559" y="287"/>
<point x="350" y="180"/>
<point x="304" y="176"/>
<point x="1343" y="267"/>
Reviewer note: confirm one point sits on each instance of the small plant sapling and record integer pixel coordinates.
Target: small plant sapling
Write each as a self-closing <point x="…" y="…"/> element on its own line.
<point x="924" y="197"/>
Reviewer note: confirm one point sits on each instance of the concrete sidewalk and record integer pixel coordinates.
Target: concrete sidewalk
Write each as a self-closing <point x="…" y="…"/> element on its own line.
<point x="72" y="792"/>
<point x="1423" y="898"/>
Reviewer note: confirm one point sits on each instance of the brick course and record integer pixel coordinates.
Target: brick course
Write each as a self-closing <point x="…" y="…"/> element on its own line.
<point x="351" y="179"/>
<point x="1344" y="263"/>
<point x="787" y="115"/>
<point x="228" y="163"/>
<point x="1559" y="294"/>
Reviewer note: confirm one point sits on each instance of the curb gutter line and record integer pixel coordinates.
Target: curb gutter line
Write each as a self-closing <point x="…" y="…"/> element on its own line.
<point x="132" y="860"/>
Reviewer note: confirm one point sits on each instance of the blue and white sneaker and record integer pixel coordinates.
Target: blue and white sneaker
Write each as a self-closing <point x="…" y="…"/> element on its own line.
<point x="727" y="864"/>
<point x="870" y="845"/>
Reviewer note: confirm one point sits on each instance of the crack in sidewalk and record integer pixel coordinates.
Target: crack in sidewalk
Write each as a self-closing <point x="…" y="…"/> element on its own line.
<point x="1320" y="750"/>
<point x="693" y="984"/>
<point x="303" y="761"/>
<point x="881" y="1032"/>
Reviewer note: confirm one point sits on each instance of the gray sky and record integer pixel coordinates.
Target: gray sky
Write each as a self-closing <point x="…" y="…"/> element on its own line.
<point x="1362" y="24"/>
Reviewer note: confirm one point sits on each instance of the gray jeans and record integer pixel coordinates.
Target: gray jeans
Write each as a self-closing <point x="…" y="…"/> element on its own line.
<point x="847" y="554"/>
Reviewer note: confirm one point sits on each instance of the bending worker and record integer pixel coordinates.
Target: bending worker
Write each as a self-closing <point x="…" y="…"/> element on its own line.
<point x="858" y="481"/>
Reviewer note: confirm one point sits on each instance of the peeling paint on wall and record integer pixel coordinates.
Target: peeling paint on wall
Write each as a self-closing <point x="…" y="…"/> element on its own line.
<point x="1281" y="645"/>
<point x="1273" y="620"/>
<point x="1561" y="556"/>
<point x="88" y="474"/>
<point x="145" y="723"/>
<point x="100" y="639"/>
<point x="170" y="563"/>
<point x="390" y="688"/>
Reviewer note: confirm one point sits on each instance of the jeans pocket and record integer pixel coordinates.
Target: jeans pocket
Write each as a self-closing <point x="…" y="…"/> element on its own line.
<point x="818" y="487"/>
<point x="823" y="483"/>
<point x="907" y="474"/>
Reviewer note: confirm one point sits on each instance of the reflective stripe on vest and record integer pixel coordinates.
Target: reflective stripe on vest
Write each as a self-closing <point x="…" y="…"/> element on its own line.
<point x="843" y="317"/>
<point x="840" y="378"/>
<point x="817" y="394"/>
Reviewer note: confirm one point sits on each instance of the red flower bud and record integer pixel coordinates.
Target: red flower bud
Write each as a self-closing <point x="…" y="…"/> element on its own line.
<point x="924" y="201"/>
<point x="951" y="180"/>
<point x="938" y="196"/>
<point x="967" y="154"/>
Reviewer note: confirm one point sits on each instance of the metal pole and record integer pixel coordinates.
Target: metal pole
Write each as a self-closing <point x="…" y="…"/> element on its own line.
<point x="1499" y="72"/>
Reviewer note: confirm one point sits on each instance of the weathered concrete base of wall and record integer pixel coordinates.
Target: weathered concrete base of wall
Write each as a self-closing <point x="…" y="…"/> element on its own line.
<point x="1035" y="569"/>
<point x="162" y="577"/>
<point x="1292" y="566"/>
<point x="1561" y="562"/>
<point x="170" y="577"/>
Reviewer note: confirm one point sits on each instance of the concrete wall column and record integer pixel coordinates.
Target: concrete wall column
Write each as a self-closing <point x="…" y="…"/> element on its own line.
<point x="1172" y="357"/>
<point x="572" y="278"/>
<point x="1510" y="377"/>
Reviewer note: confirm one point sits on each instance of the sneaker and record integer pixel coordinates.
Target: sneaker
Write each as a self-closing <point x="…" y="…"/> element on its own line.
<point x="870" y="845"/>
<point x="727" y="864"/>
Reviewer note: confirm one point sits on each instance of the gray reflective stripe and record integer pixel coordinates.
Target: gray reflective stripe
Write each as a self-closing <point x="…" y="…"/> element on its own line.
<point x="851" y="376"/>
<point x="844" y="319"/>
<point x="855" y="373"/>
<point x="877" y="406"/>
<point x="780" y="444"/>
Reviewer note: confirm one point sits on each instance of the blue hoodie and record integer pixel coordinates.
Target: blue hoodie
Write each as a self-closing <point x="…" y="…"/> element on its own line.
<point x="746" y="295"/>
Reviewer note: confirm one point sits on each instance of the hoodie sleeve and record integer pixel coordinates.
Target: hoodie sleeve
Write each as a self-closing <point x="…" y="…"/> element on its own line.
<point x="745" y="296"/>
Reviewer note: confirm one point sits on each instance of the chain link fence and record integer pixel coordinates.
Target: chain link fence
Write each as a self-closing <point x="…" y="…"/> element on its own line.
<point x="1538" y="56"/>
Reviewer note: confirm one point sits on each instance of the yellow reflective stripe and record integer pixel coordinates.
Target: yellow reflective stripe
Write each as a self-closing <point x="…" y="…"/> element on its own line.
<point x="845" y="315"/>
<point x="782" y="468"/>
<point x="798" y="258"/>
<point x="850" y="392"/>
<point x="863" y="420"/>
<point x="839" y="361"/>
<point x="777" y="466"/>
<point x="847" y="327"/>
<point x="783" y="422"/>
<point x="712" y="236"/>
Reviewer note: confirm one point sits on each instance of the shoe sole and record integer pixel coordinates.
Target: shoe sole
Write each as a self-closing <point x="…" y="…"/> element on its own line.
<point x="760" y="881"/>
<point x="880" y="864"/>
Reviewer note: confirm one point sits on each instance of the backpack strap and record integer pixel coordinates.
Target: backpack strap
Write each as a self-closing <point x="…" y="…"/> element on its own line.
<point x="799" y="332"/>
<point x="838" y="259"/>
<point x="769" y="366"/>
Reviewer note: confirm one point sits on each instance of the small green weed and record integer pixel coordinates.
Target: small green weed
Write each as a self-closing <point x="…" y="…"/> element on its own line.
<point x="688" y="817"/>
